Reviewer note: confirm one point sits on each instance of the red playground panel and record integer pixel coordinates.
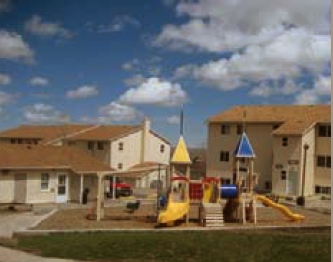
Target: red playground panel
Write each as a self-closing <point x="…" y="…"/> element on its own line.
<point x="196" y="192"/>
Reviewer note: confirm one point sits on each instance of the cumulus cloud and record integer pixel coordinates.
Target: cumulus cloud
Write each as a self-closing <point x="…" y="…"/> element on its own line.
<point x="319" y="93"/>
<point x="6" y="98"/>
<point x="43" y="113"/>
<point x="39" y="81"/>
<point x="218" y="26"/>
<point x="173" y="120"/>
<point x="5" y="79"/>
<point x="266" y="89"/>
<point x="118" y="24"/>
<point x="135" y="80"/>
<point x="13" y="47"/>
<point x="155" y="91"/>
<point x="285" y="56"/>
<point x="36" y="26"/>
<point x="117" y="112"/>
<point x="82" y="92"/>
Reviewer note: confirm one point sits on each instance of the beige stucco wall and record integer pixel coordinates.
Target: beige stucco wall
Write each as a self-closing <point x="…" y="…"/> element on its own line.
<point x="310" y="139"/>
<point x="283" y="158"/>
<point x="89" y="181"/>
<point x="261" y="139"/>
<point x="130" y="155"/>
<point x="323" y="148"/>
<point x="102" y="155"/>
<point x="6" y="187"/>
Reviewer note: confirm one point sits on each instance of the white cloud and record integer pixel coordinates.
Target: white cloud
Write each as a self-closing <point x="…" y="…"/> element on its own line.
<point x="131" y="65"/>
<point x="155" y="91"/>
<point x="13" y="47"/>
<point x="5" y="5"/>
<point x="118" y="23"/>
<point x="6" y="98"/>
<point x="5" y="79"/>
<point x="285" y="56"/>
<point x="173" y="120"/>
<point x="315" y="95"/>
<point x="266" y="90"/>
<point x="37" y="27"/>
<point x="39" y="81"/>
<point x="43" y="113"/>
<point x="135" y="80"/>
<point x="116" y="112"/>
<point x="83" y="92"/>
<point x="218" y="26"/>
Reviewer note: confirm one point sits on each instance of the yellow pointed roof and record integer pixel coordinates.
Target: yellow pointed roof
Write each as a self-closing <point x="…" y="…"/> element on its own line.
<point x="181" y="155"/>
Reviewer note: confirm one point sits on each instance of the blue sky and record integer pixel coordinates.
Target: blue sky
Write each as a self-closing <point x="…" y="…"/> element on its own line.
<point x="113" y="62"/>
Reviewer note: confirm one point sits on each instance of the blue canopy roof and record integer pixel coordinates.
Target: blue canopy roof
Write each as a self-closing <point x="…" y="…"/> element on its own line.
<point x="244" y="148"/>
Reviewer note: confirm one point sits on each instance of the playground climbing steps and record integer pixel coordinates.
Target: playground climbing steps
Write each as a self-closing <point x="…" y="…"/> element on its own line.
<point x="211" y="215"/>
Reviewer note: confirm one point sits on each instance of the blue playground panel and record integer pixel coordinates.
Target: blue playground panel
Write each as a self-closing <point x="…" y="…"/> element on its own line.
<point x="228" y="191"/>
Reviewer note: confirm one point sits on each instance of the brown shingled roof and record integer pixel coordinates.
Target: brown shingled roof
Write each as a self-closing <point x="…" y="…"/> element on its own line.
<point x="104" y="132"/>
<point x="294" y="119"/>
<point x="43" y="132"/>
<point x="48" y="157"/>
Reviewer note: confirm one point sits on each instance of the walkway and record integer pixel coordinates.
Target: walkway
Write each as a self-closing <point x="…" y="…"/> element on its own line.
<point x="11" y="255"/>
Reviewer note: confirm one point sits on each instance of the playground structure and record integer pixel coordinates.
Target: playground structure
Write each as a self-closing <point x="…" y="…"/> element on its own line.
<point x="232" y="202"/>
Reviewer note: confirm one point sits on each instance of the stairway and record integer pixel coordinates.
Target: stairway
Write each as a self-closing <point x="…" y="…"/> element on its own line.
<point x="211" y="215"/>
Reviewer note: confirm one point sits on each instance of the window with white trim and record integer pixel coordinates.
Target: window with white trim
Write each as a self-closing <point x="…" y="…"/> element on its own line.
<point x="44" y="181"/>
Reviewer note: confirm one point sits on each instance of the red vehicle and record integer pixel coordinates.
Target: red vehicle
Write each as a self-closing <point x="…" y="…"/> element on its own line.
<point x="122" y="189"/>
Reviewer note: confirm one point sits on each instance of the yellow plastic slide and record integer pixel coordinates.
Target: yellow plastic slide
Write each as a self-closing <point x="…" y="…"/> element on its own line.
<point x="284" y="210"/>
<point x="174" y="211"/>
<point x="207" y="193"/>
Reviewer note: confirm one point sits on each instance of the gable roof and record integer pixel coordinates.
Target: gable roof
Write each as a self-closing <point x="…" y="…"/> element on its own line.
<point x="104" y="132"/>
<point x="181" y="155"/>
<point x="49" y="157"/>
<point x="48" y="133"/>
<point x="294" y="119"/>
<point x="244" y="148"/>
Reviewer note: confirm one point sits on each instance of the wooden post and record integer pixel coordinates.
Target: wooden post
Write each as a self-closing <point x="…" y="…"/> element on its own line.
<point x="237" y="171"/>
<point x="99" y="198"/>
<point x="114" y="187"/>
<point x="250" y="176"/>
<point x="254" y="210"/>
<point x="81" y="188"/>
<point x="188" y="192"/>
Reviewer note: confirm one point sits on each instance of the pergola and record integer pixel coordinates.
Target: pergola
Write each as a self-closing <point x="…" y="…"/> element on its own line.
<point x="138" y="170"/>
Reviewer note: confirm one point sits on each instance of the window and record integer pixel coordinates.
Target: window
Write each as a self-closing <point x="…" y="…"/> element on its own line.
<point x="44" y="181"/>
<point x="324" y="161"/>
<point x="239" y="129"/>
<point x="121" y="146"/>
<point x="224" y="156"/>
<point x="268" y="185"/>
<point x="19" y="141"/>
<point x="12" y="140"/>
<point x="324" y="131"/>
<point x="71" y="143"/>
<point x="285" y="141"/>
<point x="100" y="146"/>
<point x="322" y="190"/>
<point x="90" y="145"/>
<point x="162" y="148"/>
<point x="225" y="129"/>
<point x="225" y="181"/>
<point x="283" y="175"/>
<point x="120" y="166"/>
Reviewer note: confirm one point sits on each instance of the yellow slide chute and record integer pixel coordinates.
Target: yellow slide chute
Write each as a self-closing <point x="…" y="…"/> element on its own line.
<point x="284" y="210"/>
<point x="174" y="211"/>
<point x="208" y="190"/>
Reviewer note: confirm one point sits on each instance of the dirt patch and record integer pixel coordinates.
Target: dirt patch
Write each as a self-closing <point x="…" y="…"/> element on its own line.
<point x="145" y="218"/>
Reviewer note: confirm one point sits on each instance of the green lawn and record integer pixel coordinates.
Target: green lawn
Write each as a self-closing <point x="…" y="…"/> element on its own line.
<point x="244" y="246"/>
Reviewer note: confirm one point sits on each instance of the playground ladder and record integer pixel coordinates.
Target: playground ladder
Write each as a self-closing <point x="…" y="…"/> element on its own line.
<point x="212" y="215"/>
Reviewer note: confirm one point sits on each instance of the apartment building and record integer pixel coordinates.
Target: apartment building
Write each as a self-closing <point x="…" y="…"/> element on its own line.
<point x="121" y="147"/>
<point x="292" y="143"/>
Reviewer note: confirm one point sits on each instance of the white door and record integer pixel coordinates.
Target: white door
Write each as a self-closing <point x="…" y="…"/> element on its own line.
<point x="292" y="183"/>
<point x="62" y="188"/>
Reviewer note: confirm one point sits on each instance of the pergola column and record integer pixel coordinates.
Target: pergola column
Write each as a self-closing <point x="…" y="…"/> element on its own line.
<point x="100" y="197"/>
<point x="81" y="188"/>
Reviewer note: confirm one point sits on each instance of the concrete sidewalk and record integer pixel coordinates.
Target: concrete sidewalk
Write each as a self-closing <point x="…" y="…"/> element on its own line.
<point x="11" y="255"/>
